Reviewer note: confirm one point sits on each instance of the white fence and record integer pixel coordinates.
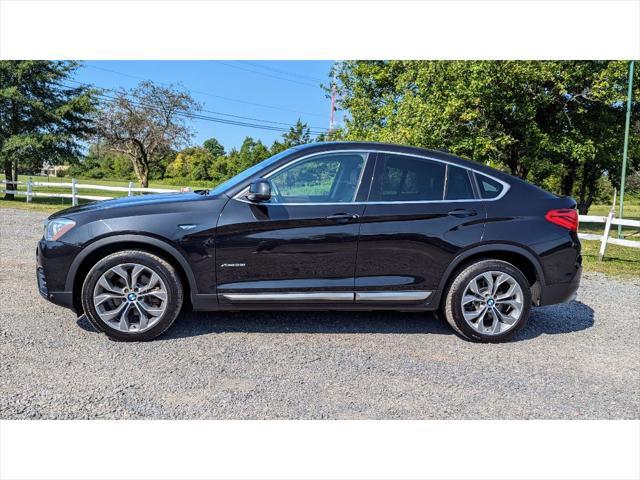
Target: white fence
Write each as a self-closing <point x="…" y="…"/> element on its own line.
<point x="608" y="221"/>
<point x="75" y="186"/>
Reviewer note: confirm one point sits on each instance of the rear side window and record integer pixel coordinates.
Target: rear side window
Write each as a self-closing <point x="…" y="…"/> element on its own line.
<point x="489" y="188"/>
<point x="410" y="179"/>
<point x="458" y="184"/>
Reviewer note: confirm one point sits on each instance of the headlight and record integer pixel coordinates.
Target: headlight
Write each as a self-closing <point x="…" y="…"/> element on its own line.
<point x="56" y="228"/>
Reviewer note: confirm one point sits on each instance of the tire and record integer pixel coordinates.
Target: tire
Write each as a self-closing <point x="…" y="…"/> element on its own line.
<point x="507" y="307"/>
<point x="156" y="302"/>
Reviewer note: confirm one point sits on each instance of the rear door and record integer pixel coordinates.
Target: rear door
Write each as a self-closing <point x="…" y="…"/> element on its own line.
<point x="420" y="214"/>
<point x="299" y="247"/>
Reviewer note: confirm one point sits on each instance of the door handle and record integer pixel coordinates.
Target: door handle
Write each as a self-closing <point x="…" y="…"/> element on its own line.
<point x="462" y="212"/>
<point x="342" y="217"/>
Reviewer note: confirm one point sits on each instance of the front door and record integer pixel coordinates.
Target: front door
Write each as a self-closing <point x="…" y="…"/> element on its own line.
<point x="300" y="246"/>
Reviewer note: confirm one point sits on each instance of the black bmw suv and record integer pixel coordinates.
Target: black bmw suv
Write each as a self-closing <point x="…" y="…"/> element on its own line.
<point x="325" y="226"/>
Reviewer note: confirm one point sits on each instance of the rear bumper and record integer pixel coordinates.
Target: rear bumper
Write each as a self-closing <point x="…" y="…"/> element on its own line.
<point x="561" y="292"/>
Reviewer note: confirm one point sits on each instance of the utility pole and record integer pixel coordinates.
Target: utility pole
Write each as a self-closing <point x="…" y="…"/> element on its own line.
<point x="623" y="176"/>
<point x="333" y="104"/>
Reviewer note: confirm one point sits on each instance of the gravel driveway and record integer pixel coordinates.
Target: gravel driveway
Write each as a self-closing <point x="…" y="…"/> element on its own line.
<point x="577" y="360"/>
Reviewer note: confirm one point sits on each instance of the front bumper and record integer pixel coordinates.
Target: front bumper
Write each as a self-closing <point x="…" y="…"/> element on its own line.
<point x="53" y="260"/>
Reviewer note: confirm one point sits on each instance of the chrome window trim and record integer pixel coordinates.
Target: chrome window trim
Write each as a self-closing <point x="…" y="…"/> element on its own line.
<point x="506" y="186"/>
<point x="446" y="181"/>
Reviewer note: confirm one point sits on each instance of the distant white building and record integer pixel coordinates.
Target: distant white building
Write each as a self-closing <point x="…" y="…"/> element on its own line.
<point x="52" y="169"/>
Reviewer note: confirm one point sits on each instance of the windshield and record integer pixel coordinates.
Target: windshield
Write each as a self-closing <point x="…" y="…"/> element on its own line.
<point x="242" y="176"/>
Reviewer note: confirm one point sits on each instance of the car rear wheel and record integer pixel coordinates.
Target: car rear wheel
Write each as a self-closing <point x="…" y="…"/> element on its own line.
<point x="488" y="301"/>
<point x="132" y="295"/>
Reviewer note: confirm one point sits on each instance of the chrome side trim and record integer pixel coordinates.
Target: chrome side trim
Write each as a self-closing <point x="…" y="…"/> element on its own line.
<point x="383" y="296"/>
<point x="506" y="187"/>
<point x="406" y="296"/>
<point x="290" y="297"/>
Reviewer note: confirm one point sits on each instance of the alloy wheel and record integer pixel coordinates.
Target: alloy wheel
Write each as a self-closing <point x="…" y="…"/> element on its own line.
<point x="130" y="297"/>
<point x="492" y="303"/>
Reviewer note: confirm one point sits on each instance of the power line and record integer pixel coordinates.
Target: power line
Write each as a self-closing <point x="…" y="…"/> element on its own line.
<point x="312" y="129"/>
<point x="266" y="74"/>
<point x="197" y="116"/>
<point x="284" y="72"/>
<point x="208" y="94"/>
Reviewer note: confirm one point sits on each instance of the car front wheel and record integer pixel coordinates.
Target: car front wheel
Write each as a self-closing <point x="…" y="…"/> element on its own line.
<point x="132" y="295"/>
<point x="488" y="301"/>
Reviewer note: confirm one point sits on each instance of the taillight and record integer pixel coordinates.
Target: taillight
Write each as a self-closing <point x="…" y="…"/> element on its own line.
<point x="565" y="217"/>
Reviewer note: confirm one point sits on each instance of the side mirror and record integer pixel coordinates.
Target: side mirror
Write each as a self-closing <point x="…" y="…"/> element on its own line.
<point x="259" y="191"/>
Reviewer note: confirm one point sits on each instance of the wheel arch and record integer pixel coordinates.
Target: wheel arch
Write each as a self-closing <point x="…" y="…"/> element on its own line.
<point x="106" y="246"/>
<point x="518" y="256"/>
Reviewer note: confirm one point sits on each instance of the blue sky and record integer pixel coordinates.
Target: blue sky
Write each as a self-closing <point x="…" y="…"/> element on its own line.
<point x="241" y="88"/>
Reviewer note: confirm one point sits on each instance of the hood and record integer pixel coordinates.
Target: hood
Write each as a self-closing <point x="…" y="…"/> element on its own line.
<point x="133" y="201"/>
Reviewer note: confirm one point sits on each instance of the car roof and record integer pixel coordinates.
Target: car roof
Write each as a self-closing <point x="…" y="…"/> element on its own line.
<point x="396" y="148"/>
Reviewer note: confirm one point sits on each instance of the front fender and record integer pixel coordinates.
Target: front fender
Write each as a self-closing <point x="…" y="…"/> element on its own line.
<point x="173" y="252"/>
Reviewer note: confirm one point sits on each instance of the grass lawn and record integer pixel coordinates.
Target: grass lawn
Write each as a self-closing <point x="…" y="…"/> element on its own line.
<point x="38" y="204"/>
<point x="618" y="261"/>
<point x="630" y="210"/>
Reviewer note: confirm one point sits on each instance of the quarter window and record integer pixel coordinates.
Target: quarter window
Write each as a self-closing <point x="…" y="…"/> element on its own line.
<point x="331" y="178"/>
<point x="458" y="184"/>
<point x="407" y="179"/>
<point x="489" y="188"/>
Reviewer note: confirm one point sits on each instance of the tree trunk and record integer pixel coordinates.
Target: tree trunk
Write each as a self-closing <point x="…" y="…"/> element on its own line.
<point x="8" y="174"/>
<point x="141" y="171"/>
<point x="144" y="173"/>
<point x="15" y="172"/>
<point x="141" y="167"/>
<point x="144" y="179"/>
<point x="588" y="191"/>
<point x="566" y="184"/>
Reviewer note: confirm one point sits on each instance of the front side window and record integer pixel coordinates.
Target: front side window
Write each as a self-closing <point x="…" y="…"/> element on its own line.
<point x="410" y="179"/>
<point x="242" y="176"/>
<point x="330" y="178"/>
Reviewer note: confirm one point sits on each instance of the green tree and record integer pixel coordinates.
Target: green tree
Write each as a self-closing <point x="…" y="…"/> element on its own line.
<point x="162" y="159"/>
<point x="101" y="162"/>
<point x="214" y="146"/>
<point x="299" y="134"/>
<point x="251" y="152"/>
<point x="633" y="183"/>
<point x="558" y="124"/>
<point x="193" y="163"/>
<point x="42" y="119"/>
